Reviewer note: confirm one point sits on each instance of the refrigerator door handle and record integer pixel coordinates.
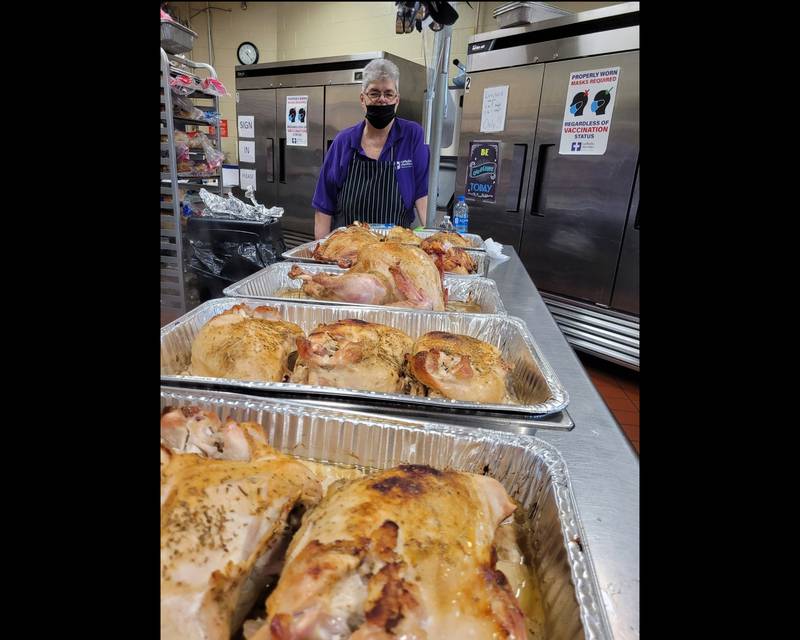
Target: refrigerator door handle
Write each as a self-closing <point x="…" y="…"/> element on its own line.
<point x="518" y="167"/>
<point x="636" y="220"/>
<point x="537" y="183"/>
<point x="270" y="159"/>
<point x="282" y="160"/>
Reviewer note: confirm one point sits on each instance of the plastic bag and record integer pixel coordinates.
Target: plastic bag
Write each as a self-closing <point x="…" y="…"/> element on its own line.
<point x="181" y="85"/>
<point x="181" y="151"/>
<point x="192" y="139"/>
<point x="212" y="117"/>
<point x="186" y="141"/>
<point x="495" y="251"/>
<point x="189" y="208"/>
<point x="185" y="108"/>
<point x="214" y="86"/>
<point x="231" y="261"/>
<point x="214" y="158"/>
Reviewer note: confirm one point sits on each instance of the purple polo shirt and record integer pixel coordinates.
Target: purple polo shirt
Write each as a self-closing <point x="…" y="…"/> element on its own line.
<point x="411" y="157"/>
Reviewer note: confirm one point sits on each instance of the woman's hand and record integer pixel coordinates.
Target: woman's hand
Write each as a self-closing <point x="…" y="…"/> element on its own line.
<point x="322" y="224"/>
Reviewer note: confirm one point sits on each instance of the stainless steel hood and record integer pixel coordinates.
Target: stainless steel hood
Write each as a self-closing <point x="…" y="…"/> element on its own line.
<point x="605" y="30"/>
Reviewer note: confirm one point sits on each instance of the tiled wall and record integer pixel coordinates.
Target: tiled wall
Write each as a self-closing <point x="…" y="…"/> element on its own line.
<point x="300" y="30"/>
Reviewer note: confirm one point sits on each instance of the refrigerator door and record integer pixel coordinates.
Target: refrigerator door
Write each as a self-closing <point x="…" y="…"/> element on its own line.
<point x="501" y="220"/>
<point x="260" y="103"/>
<point x="578" y="204"/>
<point x="342" y="109"/>
<point x="298" y="167"/>
<point x="626" y="287"/>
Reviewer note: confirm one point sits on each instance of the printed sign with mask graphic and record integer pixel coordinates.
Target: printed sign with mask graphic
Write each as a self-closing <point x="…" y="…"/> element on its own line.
<point x="587" y="114"/>
<point x="296" y="122"/>
<point x="482" y="170"/>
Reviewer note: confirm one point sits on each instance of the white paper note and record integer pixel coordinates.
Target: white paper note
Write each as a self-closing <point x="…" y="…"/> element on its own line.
<point x="493" y="114"/>
<point x="247" y="150"/>
<point x="246" y="126"/>
<point x="230" y="176"/>
<point x="247" y="177"/>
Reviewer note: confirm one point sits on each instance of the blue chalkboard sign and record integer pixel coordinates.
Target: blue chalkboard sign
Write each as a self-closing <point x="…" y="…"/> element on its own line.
<point x="482" y="170"/>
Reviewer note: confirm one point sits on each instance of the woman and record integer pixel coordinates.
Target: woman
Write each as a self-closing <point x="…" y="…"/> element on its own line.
<point x="376" y="171"/>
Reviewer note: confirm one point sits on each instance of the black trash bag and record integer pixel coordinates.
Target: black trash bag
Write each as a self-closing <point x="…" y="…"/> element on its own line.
<point x="224" y="252"/>
<point x="231" y="261"/>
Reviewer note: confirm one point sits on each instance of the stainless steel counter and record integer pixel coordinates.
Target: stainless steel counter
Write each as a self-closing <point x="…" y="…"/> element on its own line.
<point x="603" y="467"/>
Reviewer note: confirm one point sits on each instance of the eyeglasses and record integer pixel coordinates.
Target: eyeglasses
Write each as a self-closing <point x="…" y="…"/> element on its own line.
<point x="375" y="95"/>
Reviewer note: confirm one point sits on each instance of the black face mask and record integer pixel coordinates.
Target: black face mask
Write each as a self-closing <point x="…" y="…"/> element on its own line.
<point x="380" y="115"/>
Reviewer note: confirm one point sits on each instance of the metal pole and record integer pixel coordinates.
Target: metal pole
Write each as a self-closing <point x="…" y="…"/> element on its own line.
<point x="208" y="22"/>
<point x="442" y="57"/>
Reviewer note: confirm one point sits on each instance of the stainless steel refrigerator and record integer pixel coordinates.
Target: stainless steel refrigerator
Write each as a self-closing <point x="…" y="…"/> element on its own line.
<point x="573" y="216"/>
<point x="286" y="174"/>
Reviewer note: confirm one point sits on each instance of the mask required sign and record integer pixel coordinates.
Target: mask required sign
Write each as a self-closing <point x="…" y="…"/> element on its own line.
<point x="587" y="113"/>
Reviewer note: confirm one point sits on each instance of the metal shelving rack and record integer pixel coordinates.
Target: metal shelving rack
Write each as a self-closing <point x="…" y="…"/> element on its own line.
<point x="173" y="247"/>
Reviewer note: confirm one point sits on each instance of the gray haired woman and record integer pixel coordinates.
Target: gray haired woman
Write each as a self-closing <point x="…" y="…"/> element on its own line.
<point x="377" y="170"/>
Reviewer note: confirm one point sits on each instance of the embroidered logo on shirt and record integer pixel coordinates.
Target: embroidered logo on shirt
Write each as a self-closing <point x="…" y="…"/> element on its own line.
<point x="404" y="164"/>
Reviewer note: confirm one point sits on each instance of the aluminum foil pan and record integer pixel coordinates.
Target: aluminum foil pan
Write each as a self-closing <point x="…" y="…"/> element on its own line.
<point x="266" y="283"/>
<point x="532" y="471"/>
<point x="476" y="240"/>
<point x="303" y="252"/>
<point x="533" y="380"/>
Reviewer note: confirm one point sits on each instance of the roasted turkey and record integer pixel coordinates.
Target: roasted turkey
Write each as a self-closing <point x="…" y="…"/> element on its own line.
<point x="384" y="274"/>
<point x="225" y="525"/>
<point x="192" y="430"/>
<point x="453" y="237"/>
<point x="459" y="367"/>
<point x="246" y="344"/>
<point x="343" y="245"/>
<point x="353" y="354"/>
<point x="403" y="553"/>
<point x="248" y="507"/>
<point x="454" y="258"/>
<point x="353" y="286"/>
<point x="401" y="234"/>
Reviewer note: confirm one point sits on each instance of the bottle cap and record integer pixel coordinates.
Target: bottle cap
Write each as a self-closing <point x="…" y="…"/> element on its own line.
<point x="461" y="198"/>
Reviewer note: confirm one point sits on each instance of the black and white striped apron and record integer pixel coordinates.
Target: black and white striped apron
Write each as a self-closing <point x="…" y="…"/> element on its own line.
<point x="370" y="193"/>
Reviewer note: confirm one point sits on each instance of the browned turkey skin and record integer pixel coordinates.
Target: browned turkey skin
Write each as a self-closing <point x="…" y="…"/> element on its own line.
<point x="343" y="245"/>
<point x="245" y="344"/>
<point x="382" y="274"/>
<point x="353" y="354"/>
<point x="460" y="367"/>
<point x="392" y="555"/>
<point x="454" y="258"/>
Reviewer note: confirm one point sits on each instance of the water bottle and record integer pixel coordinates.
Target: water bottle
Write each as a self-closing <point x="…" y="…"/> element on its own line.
<point x="461" y="215"/>
<point x="446" y="225"/>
